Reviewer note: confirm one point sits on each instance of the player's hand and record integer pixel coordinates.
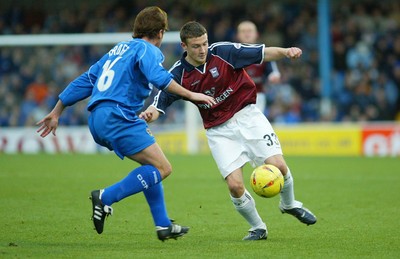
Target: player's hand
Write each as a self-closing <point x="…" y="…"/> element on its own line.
<point x="293" y="53"/>
<point x="199" y="97"/>
<point x="47" y="124"/>
<point x="150" y="114"/>
<point x="146" y="115"/>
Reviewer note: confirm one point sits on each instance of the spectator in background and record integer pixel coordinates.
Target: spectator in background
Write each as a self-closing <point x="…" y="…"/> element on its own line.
<point x="38" y="89"/>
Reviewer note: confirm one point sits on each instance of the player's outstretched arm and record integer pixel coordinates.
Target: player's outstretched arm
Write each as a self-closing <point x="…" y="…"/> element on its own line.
<point x="276" y="53"/>
<point x="50" y="122"/>
<point x="150" y="114"/>
<point x="177" y="89"/>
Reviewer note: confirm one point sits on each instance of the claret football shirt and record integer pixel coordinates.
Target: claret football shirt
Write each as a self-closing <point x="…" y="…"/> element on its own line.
<point x="222" y="76"/>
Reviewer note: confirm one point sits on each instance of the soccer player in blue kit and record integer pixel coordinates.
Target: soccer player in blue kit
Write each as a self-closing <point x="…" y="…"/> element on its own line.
<point x="237" y="131"/>
<point x="117" y="86"/>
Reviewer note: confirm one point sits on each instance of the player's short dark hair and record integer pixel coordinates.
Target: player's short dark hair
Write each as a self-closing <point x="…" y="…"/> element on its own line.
<point x="192" y="30"/>
<point x="149" y="22"/>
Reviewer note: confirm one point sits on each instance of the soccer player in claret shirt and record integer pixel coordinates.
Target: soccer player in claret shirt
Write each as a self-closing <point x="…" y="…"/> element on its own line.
<point x="263" y="73"/>
<point x="234" y="123"/>
<point x="117" y="86"/>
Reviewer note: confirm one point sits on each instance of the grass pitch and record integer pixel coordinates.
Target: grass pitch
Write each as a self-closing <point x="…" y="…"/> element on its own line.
<point x="46" y="211"/>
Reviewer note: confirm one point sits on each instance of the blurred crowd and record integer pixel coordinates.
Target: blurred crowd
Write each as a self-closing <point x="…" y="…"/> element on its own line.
<point x="365" y="44"/>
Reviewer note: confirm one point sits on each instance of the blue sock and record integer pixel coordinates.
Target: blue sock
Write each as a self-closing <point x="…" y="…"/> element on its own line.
<point x="140" y="179"/>
<point x="155" y="198"/>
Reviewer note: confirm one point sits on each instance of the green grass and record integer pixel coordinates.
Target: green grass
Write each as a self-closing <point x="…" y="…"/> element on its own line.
<point x="46" y="211"/>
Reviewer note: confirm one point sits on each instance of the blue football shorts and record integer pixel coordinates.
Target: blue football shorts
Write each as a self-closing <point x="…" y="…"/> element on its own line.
<point x="119" y="129"/>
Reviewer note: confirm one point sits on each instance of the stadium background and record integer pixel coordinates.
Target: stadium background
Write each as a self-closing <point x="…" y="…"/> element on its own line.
<point x="364" y="80"/>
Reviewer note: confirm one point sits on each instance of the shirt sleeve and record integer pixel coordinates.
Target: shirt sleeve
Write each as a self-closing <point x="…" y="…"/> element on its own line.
<point x="151" y="66"/>
<point x="163" y="100"/>
<point x="239" y="55"/>
<point x="80" y="88"/>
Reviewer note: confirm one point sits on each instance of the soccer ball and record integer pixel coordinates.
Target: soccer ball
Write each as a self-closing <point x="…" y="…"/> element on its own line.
<point x="266" y="181"/>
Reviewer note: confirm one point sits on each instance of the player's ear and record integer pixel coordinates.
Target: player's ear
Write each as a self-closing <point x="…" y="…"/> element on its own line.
<point x="183" y="45"/>
<point x="161" y="34"/>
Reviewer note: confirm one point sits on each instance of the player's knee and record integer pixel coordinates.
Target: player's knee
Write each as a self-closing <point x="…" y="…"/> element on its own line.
<point x="282" y="167"/>
<point x="279" y="162"/>
<point x="236" y="188"/>
<point x="165" y="170"/>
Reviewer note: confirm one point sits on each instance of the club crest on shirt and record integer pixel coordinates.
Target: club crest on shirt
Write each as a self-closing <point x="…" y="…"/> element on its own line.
<point x="214" y="72"/>
<point x="210" y="92"/>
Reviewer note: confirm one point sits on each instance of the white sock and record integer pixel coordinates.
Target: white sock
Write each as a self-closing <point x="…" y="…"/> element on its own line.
<point x="246" y="206"/>
<point x="287" y="193"/>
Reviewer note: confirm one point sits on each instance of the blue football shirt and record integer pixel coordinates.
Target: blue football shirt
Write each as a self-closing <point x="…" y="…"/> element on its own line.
<point x="125" y="75"/>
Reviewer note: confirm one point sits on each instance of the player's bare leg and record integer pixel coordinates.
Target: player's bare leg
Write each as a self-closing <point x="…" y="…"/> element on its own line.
<point x="246" y="206"/>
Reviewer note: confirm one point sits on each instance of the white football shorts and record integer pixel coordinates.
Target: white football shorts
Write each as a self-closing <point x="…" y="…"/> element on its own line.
<point x="246" y="137"/>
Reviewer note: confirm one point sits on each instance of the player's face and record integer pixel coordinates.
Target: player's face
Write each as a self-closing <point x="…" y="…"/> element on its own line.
<point x="197" y="49"/>
<point x="247" y="33"/>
